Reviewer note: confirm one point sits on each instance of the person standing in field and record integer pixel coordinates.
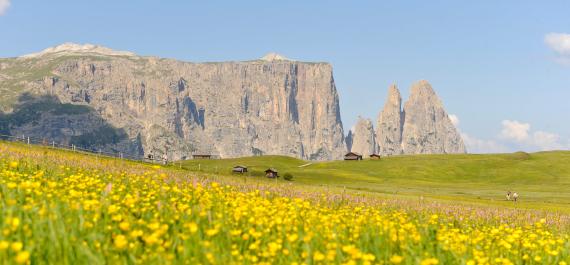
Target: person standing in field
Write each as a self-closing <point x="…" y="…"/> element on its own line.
<point x="508" y="195"/>
<point x="515" y="196"/>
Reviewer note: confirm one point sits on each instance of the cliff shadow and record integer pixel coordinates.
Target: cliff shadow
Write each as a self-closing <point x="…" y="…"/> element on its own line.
<point x="45" y="117"/>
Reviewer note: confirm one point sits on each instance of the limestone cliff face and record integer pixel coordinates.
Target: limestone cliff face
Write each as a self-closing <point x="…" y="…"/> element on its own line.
<point x="362" y="138"/>
<point x="389" y="124"/>
<point x="427" y="128"/>
<point x="230" y="109"/>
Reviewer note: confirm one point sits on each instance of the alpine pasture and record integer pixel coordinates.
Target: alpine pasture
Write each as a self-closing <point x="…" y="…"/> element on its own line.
<point x="62" y="207"/>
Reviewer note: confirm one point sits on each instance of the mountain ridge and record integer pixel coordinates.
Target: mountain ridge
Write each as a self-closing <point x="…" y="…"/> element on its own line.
<point x="74" y="48"/>
<point x="168" y="106"/>
<point x="77" y="49"/>
<point x="154" y="106"/>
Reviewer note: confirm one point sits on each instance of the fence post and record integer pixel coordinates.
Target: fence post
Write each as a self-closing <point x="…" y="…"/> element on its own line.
<point x="121" y="155"/>
<point x="53" y="144"/>
<point x="28" y="140"/>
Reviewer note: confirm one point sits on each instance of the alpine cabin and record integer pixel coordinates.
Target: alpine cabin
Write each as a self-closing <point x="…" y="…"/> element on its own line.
<point x="352" y="156"/>
<point x="271" y="173"/>
<point x="239" y="169"/>
<point x="201" y="156"/>
<point x="374" y="157"/>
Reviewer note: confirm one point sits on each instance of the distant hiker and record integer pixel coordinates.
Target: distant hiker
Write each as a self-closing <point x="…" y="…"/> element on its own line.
<point x="165" y="158"/>
<point x="508" y="195"/>
<point x="515" y="196"/>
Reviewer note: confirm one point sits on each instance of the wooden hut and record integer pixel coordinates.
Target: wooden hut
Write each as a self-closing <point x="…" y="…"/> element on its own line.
<point x="201" y="156"/>
<point x="374" y="157"/>
<point x="271" y="173"/>
<point x="352" y="156"/>
<point x="239" y="169"/>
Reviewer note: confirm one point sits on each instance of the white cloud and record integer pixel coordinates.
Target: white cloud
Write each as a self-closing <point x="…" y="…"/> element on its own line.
<point x="547" y="141"/>
<point x="4" y="4"/>
<point x="559" y="42"/>
<point x="514" y="130"/>
<point x="514" y="136"/>
<point x="454" y="119"/>
<point x="479" y="146"/>
<point x="519" y="133"/>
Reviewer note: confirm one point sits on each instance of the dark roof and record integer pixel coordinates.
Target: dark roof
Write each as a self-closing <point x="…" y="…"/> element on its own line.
<point x="352" y="153"/>
<point x="271" y="170"/>
<point x="240" y="166"/>
<point x="377" y="155"/>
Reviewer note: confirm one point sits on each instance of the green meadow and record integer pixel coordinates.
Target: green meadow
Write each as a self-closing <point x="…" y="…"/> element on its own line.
<point x="542" y="179"/>
<point x="67" y="207"/>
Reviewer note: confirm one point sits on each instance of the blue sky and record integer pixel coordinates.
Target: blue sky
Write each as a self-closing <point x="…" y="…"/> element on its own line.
<point x="491" y="62"/>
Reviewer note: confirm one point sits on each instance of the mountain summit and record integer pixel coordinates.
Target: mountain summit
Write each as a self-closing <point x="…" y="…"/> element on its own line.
<point x="427" y="127"/>
<point x="274" y="57"/>
<point x="421" y="127"/>
<point x="74" y="48"/>
<point x="389" y="124"/>
<point x="361" y="138"/>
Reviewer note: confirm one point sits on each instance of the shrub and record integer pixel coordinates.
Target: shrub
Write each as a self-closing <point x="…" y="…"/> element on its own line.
<point x="520" y="155"/>
<point x="288" y="176"/>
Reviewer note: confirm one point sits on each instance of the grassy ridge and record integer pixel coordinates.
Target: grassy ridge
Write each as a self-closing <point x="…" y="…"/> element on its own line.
<point x="542" y="179"/>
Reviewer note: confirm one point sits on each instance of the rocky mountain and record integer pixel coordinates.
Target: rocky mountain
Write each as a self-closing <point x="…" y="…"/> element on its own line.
<point x="361" y="138"/>
<point x="389" y="124"/>
<point x="117" y="101"/>
<point x="427" y="128"/>
<point x="421" y="127"/>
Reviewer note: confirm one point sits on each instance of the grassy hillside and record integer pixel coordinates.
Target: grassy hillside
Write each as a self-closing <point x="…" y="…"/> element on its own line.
<point x="542" y="179"/>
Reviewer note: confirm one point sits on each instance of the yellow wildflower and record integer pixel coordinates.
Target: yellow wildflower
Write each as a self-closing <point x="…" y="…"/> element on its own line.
<point x="396" y="259"/>
<point x="22" y="257"/>
<point x="121" y="242"/>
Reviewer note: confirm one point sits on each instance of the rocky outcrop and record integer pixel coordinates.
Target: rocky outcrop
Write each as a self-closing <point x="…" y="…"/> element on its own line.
<point x="427" y="128"/>
<point x="389" y="124"/>
<point x="422" y="127"/>
<point x="362" y="138"/>
<point x="229" y="109"/>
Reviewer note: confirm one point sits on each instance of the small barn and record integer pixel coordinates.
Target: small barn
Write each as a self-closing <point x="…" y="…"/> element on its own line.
<point x="271" y="173"/>
<point x="374" y="157"/>
<point x="239" y="169"/>
<point x="201" y="156"/>
<point x="352" y="156"/>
